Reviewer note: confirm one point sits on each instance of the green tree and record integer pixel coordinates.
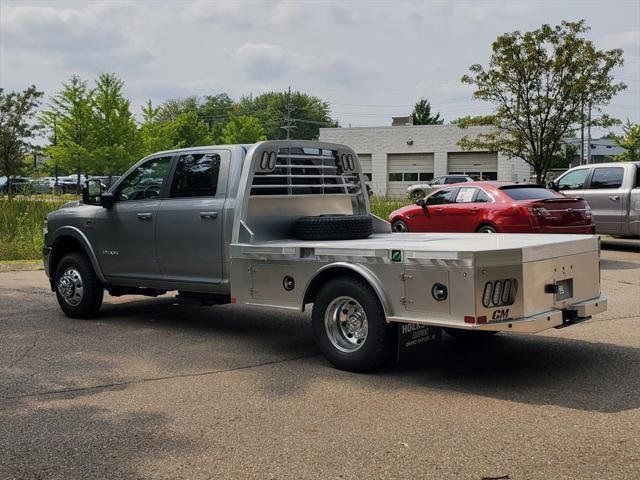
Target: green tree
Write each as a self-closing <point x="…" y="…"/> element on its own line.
<point x="422" y="114"/>
<point x="188" y="130"/>
<point x="541" y="83"/>
<point x="18" y="126"/>
<point x="70" y="118"/>
<point x="174" y="107"/>
<point x="307" y="113"/>
<point x="243" y="129"/>
<point x="154" y="135"/>
<point x="215" y="111"/>
<point x="474" y="120"/>
<point x="113" y="127"/>
<point x="630" y="141"/>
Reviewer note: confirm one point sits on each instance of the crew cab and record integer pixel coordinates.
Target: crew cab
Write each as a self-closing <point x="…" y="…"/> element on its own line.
<point x="612" y="190"/>
<point x="286" y="224"/>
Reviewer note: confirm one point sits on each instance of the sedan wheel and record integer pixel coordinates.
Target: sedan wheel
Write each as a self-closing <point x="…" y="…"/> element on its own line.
<point x="399" y="226"/>
<point x="486" y="229"/>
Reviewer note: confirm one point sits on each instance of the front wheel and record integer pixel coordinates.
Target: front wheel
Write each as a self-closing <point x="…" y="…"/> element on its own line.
<point x="350" y="327"/>
<point x="399" y="226"/>
<point x="78" y="289"/>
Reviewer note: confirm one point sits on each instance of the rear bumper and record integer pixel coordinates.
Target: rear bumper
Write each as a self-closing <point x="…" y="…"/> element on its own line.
<point x="575" y="313"/>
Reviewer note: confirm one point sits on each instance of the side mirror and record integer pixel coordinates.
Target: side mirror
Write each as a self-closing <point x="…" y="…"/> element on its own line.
<point x="421" y="202"/>
<point x="91" y="192"/>
<point x="107" y="199"/>
<point x="552" y="186"/>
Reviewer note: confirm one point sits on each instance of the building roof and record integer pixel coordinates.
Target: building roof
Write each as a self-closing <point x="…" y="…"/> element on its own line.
<point x="600" y="146"/>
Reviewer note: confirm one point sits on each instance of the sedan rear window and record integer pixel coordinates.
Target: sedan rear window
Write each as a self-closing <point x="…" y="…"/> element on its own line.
<point x="529" y="193"/>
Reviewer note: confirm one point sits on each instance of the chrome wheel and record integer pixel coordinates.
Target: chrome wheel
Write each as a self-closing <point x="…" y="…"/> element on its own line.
<point x="346" y="324"/>
<point x="70" y="287"/>
<point x="399" y="227"/>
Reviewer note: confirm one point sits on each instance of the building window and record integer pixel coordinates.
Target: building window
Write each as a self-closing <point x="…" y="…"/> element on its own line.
<point x="410" y="177"/>
<point x="395" y="177"/>
<point x="368" y="176"/>
<point x="490" y="175"/>
<point x="425" y="176"/>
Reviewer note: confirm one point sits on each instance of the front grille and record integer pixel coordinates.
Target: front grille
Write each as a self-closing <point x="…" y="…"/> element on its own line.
<point x="307" y="171"/>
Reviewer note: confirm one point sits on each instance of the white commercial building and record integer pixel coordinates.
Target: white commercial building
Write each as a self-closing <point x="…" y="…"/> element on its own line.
<point x="395" y="157"/>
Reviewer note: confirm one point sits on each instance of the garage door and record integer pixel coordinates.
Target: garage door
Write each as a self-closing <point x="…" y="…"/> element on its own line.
<point x="365" y="164"/>
<point x="405" y="169"/>
<point x="479" y="165"/>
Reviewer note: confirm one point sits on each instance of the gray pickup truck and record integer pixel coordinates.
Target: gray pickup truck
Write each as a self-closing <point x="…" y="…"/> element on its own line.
<point x="612" y="190"/>
<point x="286" y="224"/>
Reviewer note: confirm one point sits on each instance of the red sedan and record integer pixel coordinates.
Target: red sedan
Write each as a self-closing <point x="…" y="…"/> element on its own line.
<point x="491" y="207"/>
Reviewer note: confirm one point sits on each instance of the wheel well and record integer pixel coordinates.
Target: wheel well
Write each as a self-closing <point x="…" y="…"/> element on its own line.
<point x="330" y="274"/>
<point x="486" y="224"/>
<point x="61" y="247"/>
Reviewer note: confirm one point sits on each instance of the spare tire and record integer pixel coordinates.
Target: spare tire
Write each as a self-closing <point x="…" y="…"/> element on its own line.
<point x="333" y="227"/>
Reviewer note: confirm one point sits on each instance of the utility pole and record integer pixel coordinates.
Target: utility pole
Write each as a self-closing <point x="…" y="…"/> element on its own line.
<point x="288" y="120"/>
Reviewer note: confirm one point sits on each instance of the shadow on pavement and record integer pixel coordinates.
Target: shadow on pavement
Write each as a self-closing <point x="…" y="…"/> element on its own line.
<point x="64" y="442"/>
<point x="618" y="265"/>
<point x="531" y="369"/>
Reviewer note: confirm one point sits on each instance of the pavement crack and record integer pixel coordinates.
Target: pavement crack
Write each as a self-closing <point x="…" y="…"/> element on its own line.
<point x="28" y="350"/>
<point x="156" y="379"/>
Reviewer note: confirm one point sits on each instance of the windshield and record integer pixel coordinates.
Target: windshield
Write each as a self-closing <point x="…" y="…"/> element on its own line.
<point x="529" y="193"/>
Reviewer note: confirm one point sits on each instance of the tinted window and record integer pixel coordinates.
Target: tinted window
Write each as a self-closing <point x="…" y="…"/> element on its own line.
<point x="438" y="181"/>
<point x="637" y="176"/>
<point x="367" y="176"/>
<point x="410" y="177"/>
<point x="441" y="196"/>
<point x="489" y="175"/>
<point x="607" y="177"/>
<point x="450" y="180"/>
<point x="529" y="193"/>
<point x="196" y="175"/>
<point x="482" y="197"/>
<point x="425" y="176"/>
<point x="465" y="195"/>
<point x="145" y="181"/>
<point x="395" y="177"/>
<point x="573" y="180"/>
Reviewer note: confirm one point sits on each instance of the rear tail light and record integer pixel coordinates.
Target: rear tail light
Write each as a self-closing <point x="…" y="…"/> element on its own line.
<point x="499" y="293"/>
<point x="539" y="212"/>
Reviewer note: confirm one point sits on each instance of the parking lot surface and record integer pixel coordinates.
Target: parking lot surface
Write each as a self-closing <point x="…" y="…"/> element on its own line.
<point x="156" y="389"/>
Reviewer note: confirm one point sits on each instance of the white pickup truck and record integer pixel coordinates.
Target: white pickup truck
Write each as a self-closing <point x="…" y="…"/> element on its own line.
<point x="286" y="224"/>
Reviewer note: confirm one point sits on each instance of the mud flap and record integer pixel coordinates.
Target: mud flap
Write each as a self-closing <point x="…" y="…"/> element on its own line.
<point x="412" y="337"/>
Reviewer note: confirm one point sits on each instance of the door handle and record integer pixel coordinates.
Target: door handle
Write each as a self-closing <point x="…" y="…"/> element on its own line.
<point x="144" y="216"/>
<point x="614" y="197"/>
<point x="209" y="215"/>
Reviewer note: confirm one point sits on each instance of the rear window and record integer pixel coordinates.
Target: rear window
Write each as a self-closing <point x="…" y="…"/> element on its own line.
<point x="529" y="193"/>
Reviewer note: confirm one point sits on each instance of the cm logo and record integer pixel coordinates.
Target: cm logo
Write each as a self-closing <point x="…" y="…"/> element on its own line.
<point x="500" y="314"/>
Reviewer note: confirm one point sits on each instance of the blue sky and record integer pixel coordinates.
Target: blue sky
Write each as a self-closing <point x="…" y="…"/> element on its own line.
<point x="370" y="60"/>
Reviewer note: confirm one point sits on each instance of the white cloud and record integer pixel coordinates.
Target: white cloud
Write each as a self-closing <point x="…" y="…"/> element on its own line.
<point x="356" y="54"/>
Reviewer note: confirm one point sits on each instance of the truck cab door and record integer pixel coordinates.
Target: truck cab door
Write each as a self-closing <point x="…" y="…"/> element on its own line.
<point x="607" y="199"/>
<point x="190" y="242"/>
<point x="124" y="233"/>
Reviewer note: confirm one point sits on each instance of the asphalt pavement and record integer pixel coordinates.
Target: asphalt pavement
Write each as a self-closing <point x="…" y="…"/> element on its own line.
<point x="153" y="389"/>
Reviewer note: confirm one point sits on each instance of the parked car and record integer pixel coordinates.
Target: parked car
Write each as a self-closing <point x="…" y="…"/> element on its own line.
<point x="19" y="185"/>
<point x="420" y="190"/>
<point x="494" y="207"/>
<point x="612" y="190"/>
<point x="286" y="224"/>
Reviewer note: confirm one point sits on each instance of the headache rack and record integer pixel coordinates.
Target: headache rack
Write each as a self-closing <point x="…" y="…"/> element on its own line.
<point x="305" y="171"/>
